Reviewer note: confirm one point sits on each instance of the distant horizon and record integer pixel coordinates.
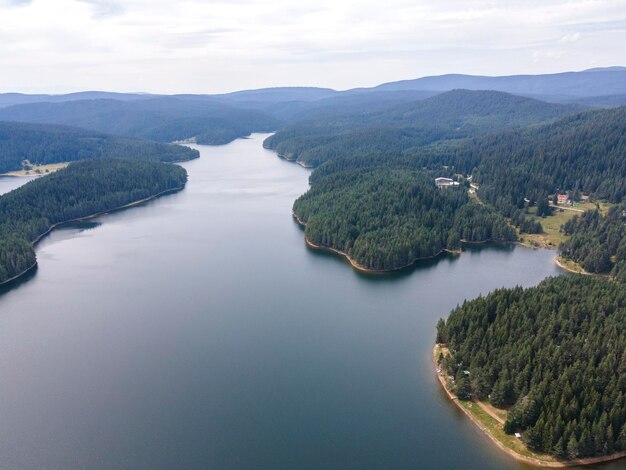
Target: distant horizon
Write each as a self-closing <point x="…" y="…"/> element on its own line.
<point x="144" y="92"/>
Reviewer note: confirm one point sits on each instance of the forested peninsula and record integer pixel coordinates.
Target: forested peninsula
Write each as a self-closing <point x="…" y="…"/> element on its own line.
<point x="552" y="356"/>
<point x="81" y="190"/>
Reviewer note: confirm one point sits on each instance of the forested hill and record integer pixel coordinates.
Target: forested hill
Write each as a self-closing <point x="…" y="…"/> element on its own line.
<point x="554" y="354"/>
<point x="583" y="152"/>
<point x="387" y="219"/>
<point x="598" y="242"/>
<point x="473" y="111"/>
<point x="83" y="188"/>
<point x="163" y="119"/>
<point x="452" y="115"/>
<point x="43" y="144"/>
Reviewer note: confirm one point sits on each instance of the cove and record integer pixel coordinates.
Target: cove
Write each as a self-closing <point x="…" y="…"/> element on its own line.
<point x="199" y="331"/>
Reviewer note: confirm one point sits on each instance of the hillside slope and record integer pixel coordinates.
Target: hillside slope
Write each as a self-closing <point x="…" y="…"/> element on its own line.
<point x="43" y="144"/>
<point x="163" y="119"/>
<point x="453" y="115"/>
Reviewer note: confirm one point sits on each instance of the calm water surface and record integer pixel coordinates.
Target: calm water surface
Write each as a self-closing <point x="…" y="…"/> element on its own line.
<point x="198" y="331"/>
<point x="8" y="183"/>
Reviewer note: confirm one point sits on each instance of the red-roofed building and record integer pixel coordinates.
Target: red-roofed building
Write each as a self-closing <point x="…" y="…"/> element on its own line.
<point x="562" y="198"/>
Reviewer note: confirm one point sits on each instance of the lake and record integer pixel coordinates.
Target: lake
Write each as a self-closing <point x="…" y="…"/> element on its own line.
<point x="199" y="331"/>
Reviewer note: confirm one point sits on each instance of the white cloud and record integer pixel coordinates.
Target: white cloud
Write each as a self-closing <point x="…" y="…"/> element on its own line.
<point x="14" y="3"/>
<point x="105" y="7"/>
<point x="212" y="46"/>
<point x="548" y="54"/>
<point x="573" y="37"/>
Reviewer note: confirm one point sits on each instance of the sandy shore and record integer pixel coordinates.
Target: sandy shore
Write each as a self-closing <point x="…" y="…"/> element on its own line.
<point x="522" y="458"/>
<point x="559" y="262"/>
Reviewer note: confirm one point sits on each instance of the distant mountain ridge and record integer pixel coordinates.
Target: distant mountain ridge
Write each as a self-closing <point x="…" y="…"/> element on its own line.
<point x="282" y="93"/>
<point x="615" y="68"/>
<point x="12" y="99"/>
<point x="599" y="81"/>
<point x="220" y="118"/>
<point x="566" y="84"/>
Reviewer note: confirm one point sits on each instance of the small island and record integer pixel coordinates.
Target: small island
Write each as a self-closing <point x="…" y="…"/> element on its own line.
<point x="538" y="370"/>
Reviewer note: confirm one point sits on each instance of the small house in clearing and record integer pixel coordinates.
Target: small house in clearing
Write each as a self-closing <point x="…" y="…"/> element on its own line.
<point x="442" y="182"/>
<point x="562" y="198"/>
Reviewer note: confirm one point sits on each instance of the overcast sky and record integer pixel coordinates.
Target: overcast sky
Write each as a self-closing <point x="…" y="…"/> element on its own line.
<point x="215" y="46"/>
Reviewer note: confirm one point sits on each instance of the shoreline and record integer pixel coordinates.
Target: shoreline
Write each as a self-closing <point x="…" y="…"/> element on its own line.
<point x="79" y="219"/>
<point x="292" y="160"/>
<point x="512" y="453"/>
<point x="364" y="269"/>
<point x="358" y="266"/>
<point x="561" y="264"/>
<point x="18" y="276"/>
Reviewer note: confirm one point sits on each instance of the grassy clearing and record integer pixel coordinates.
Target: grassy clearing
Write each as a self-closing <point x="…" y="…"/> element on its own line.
<point x="585" y="206"/>
<point x="494" y="428"/>
<point x="29" y="169"/>
<point x="501" y="414"/>
<point x="552" y="236"/>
